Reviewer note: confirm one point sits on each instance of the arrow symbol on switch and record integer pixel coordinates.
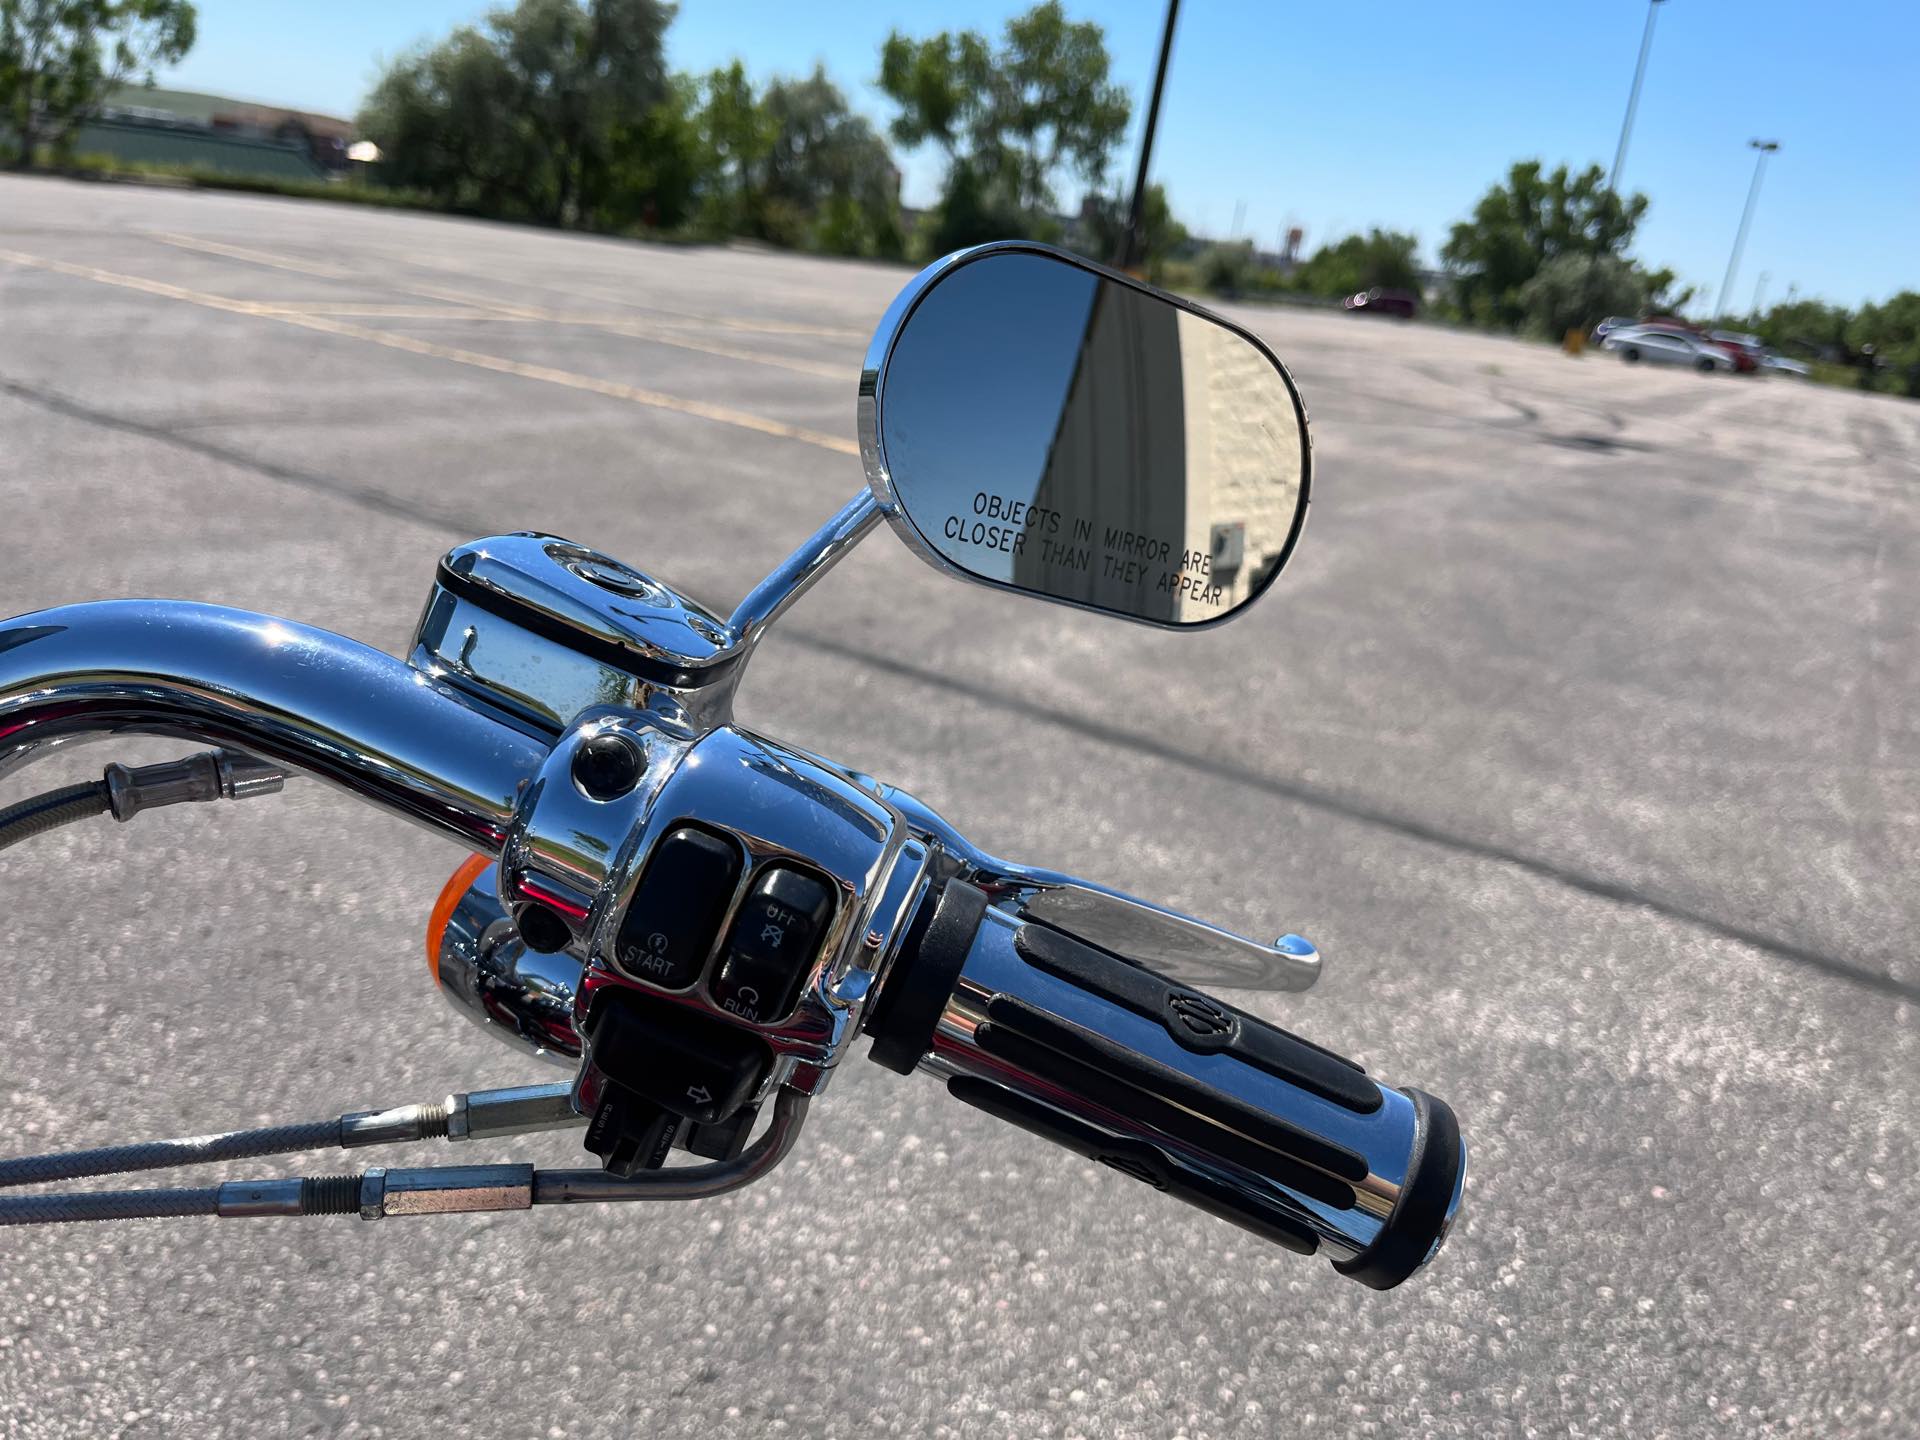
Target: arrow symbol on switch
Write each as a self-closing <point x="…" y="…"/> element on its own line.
<point x="698" y="1095"/>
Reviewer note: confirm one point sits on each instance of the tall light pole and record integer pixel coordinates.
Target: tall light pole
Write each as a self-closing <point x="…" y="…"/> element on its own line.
<point x="1633" y="96"/>
<point x="1766" y="148"/>
<point x="1132" y="242"/>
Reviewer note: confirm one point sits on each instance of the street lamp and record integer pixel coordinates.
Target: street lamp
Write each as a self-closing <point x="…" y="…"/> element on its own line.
<point x="1132" y="242"/>
<point x="1633" y="96"/>
<point x="1766" y="148"/>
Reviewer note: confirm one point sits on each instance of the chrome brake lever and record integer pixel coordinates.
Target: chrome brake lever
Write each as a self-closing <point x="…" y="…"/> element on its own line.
<point x="1177" y="945"/>
<point x="1148" y="935"/>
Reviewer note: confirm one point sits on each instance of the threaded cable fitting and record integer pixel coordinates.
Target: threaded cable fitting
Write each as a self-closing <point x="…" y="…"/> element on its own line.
<point x="330" y="1195"/>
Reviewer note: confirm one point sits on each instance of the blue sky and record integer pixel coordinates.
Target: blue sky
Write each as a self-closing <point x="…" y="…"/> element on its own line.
<point x="1335" y="117"/>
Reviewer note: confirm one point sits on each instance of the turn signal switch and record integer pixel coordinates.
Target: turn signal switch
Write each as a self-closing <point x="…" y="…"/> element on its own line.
<point x="657" y="1072"/>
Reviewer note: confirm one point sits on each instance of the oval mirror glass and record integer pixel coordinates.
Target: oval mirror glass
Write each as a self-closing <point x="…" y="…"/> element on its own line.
<point x="1041" y="424"/>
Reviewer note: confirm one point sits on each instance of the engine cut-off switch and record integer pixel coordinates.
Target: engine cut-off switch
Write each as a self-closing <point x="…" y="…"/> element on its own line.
<point x="675" y="912"/>
<point x="774" y="942"/>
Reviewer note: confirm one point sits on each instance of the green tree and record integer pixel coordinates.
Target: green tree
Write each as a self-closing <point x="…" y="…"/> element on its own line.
<point x="1105" y="220"/>
<point x="60" y="58"/>
<point x="519" y="117"/>
<point x="1228" y="268"/>
<point x="1010" y="118"/>
<point x="738" y="136"/>
<point x="1577" y="292"/>
<point x="1662" y="297"/>
<point x="1520" y="225"/>
<point x="1887" y="338"/>
<point x="1810" y="329"/>
<point x="657" y="163"/>
<point x="975" y="208"/>
<point x="443" y="119"/>
<point x="819" y="146"/>
<point x="827" y="164"/>
<point x="573" y="72"/>
<point x="1386" y="258"/>
<point x="558" y="110"/>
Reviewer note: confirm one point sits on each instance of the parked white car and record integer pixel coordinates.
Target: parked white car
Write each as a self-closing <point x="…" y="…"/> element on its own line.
<point x="1634" y="343"/>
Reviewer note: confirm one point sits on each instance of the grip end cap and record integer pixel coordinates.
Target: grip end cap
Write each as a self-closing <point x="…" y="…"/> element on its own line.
<point x="1428" y="1199"/>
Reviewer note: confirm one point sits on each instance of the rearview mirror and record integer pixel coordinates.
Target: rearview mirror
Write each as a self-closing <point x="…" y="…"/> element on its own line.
<point x="1041" y="424"/>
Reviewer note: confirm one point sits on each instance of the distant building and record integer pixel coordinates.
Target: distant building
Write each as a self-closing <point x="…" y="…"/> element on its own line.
<point x="189" y="129"/>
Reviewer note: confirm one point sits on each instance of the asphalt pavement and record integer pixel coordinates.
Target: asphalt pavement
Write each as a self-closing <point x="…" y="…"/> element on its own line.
<point x="1580" y="735"/>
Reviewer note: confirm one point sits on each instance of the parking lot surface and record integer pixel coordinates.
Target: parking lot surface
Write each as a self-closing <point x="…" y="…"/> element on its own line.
<point x="1580" y="736"/>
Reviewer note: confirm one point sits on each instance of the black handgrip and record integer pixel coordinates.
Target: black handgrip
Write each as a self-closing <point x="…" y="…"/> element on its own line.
<point x="1142" y="1162"/>
<point x="1155" y="1079"/>
<point x="1198" y="1022"/>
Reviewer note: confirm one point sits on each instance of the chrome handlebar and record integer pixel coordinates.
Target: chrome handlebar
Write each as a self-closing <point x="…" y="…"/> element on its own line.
<point x="304" y="698"/>
<point x="569" y="715"/>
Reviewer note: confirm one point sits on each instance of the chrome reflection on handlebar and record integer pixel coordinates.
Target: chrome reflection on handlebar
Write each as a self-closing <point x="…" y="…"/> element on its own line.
<point x="298" y="696"/>
<point x="489" y="975"/>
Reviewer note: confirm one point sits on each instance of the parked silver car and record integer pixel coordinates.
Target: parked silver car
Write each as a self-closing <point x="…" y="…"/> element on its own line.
<point x="1667" y="347"/>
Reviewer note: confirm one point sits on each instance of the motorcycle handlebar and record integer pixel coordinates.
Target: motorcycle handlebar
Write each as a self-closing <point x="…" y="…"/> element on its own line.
<point x="1024" y="1019"/>
<point x="1161" y="1082"/>
<point x="302" y="697"/>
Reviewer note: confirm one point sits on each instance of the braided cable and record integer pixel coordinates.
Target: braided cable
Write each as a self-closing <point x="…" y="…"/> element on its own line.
<point x="41" y="813"/>
<point x="160" y="1154"/>
<point x="107" y="1205"/>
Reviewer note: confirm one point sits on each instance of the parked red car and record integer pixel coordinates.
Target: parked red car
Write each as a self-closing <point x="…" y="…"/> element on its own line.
<point x="1749" y="351"/>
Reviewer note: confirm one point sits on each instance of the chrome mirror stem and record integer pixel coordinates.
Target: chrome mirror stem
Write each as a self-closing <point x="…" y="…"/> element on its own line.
<point x="539" y="630"/>
<point x="791" y="579"/>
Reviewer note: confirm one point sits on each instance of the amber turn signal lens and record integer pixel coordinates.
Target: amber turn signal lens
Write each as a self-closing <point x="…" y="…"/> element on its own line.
<point x="457" y="885"/>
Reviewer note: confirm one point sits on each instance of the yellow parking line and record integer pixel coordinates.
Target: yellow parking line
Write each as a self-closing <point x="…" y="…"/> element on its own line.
<point x="502" y="308"/>
<point x="678" y="317"/>
<point x="350" y="311"/>
<point x="392" y="340"/>
<point x="255" y="257"/>
<point x="634" y="329"/>
<point x="729" y="322"/>
<point x="276" y="261"/>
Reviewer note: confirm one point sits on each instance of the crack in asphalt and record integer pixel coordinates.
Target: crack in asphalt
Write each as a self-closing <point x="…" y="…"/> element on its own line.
<point x="1406" y="826"/>
<point x="371" y="497"/>
<point x="1314" y="797"/>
